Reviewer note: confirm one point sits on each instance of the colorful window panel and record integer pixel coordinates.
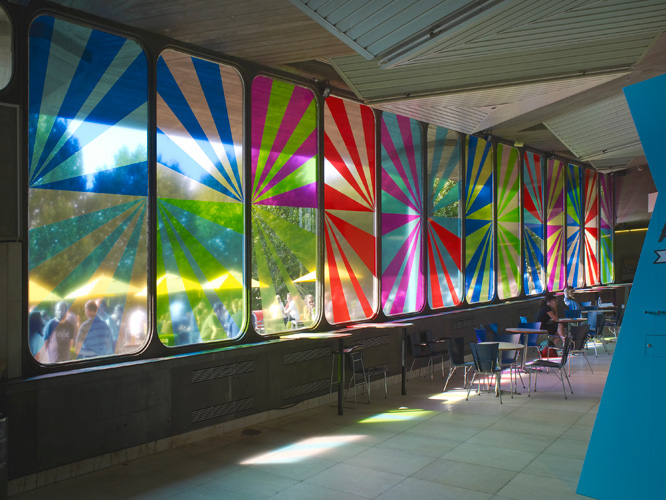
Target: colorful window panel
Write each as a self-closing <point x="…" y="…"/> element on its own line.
<point x="555" y="264"/>
<point x="479" y="271"/>
<point x="87" y="197"/>
<point x="591" y="228"/>
<point x="199" y="201"/>
<point x="349" y="216"/>
<point x="508" y="221"/>
<point x="6" y="49"/>
<point x="402" y="208"/>
<point x="533" y="270"/>
<point x="444" y="218"/>
<point x="284" y="203"/>
<point x="575" y="215"/>
<point x="606" y="224"/>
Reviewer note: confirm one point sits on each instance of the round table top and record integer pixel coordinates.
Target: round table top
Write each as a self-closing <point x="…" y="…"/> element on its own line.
<point x="526" y="330"/>
<point x="506" y="346"/>
<point x="568" y="320"/>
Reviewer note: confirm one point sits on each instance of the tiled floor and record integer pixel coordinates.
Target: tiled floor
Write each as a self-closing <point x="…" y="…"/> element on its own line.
<point x="425" y="445"/>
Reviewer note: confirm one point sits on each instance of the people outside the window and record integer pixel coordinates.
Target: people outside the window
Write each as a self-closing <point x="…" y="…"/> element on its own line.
<point x="181" y="323"/>
<point x="546" y="314"/>
<point x="137" y="330"/>
<point x="294" y="317"/>
<point x="58" y="335"/>
<point x="310" y="312"/>
<point x="35" y="334"/>
<point x="118" y="315"/>
<point x="94" y="337"/>
<point x="277" y="310"/>
<point x="213" y="327"/>
<point x="569" y="299"/>
<point x="110" y="322"/>
<point x="234" y="319"/>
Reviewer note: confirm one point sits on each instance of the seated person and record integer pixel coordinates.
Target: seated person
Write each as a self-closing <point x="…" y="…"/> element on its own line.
<point x="547" y="313"/>
<point x="569" y="300"/>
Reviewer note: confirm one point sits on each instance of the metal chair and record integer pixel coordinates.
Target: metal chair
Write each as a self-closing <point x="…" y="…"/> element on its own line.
<point x="486" y="363"/>
<point x="615" y="324"/>
<point x="596" y="320"/>
<point x="456" y="347"/>
<point x="360" y="374"/>
<point x="578" y="339"/>
<point x="509" y="359"/>
<point x="482" y="335"/>
<point x="421" y="350"/>
<point x="555" y="365"/>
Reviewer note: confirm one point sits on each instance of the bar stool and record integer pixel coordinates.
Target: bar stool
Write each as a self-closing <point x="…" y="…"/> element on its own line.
<point x="335" y="353"/>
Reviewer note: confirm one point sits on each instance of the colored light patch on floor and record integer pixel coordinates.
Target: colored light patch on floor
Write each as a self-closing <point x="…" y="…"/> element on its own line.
<point x="302" y="450"/>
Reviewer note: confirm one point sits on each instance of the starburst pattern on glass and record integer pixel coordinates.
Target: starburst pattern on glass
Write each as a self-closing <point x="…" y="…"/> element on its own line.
<point x="574" y="212"/>
<point x="508" y="221"/>
<point x="479" y="271"/>
<point x="533" y="209"/>
<point x="402" y="208"/>
<point x="444" y="218"/>
<point x="199" y="201"/>
<point x="88" y="187"/>
<point x="555" y="268"/>
<point x="284" y="202"/>
<point x="591" y="228"/>
<point x="606" y="224"/>
<point x="349" y="216"/>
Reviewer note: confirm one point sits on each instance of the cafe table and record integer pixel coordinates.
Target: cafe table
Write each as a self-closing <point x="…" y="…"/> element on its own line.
<point x="403" y="356"/>
<point x="568" y="322"/>
<point x="340" y="335"/>
<point x="523" y="332"/>
<point x="508" y="346"/>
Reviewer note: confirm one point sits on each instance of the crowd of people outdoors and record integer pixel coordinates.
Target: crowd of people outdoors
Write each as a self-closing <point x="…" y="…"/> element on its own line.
<point x="67" y="335"/>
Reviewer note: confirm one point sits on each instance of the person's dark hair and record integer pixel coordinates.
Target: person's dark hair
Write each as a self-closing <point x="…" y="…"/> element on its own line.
<point x="547" y="298"/>
<point x="35" y="323"/>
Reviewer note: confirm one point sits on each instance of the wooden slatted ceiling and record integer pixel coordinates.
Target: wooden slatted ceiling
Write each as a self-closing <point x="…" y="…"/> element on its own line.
<point x="519" y="26"/>
<point x="371" y="83"/>
<point x="478" y="111"/>
<point x="270" y="32"/>
<point x="373" y="26"/>
<point x="597" y="130"/>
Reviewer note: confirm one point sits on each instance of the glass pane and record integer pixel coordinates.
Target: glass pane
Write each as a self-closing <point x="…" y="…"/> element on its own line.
<point x="6" y="35"/>
<point x="88" y="187"/>
<point x="349" y="173"/>
<point x="284" y="202"/>
<point x="508" y="221"/>
<point x="199" y="201"/>
<point x="402" y="208"/>
<point x="533" y="271"/>
<point x="479" y="271"/>
<point x="555" y="270"/>
<point x="575" y="276"/>
<point x="606" y="204"/>
<point x="591" y="228"/>
<point x="444" y="218"/>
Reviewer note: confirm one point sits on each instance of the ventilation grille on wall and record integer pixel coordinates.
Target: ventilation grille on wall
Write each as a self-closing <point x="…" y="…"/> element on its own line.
<point x="218" y="411"/>
<point x="374" y="341"/>
<point x="298" y="357"/>
<point x="222" y="371"/>
<point x="300" y="390"/>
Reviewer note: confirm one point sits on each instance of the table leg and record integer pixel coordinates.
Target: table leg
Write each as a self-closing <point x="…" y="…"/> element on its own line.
<point x="403" y="361"/>
<point x="341" y="374"/>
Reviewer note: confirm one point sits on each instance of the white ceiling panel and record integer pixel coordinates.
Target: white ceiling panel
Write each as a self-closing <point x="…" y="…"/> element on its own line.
<point x="373" y="84"/>
<point x="599" y="130"/>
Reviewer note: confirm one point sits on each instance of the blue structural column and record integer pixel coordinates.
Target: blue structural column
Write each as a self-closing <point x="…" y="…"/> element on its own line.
<point x="626" y="455"/>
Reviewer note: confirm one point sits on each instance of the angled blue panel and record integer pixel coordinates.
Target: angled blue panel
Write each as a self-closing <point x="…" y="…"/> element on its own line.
<point x="626" y="451"/>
